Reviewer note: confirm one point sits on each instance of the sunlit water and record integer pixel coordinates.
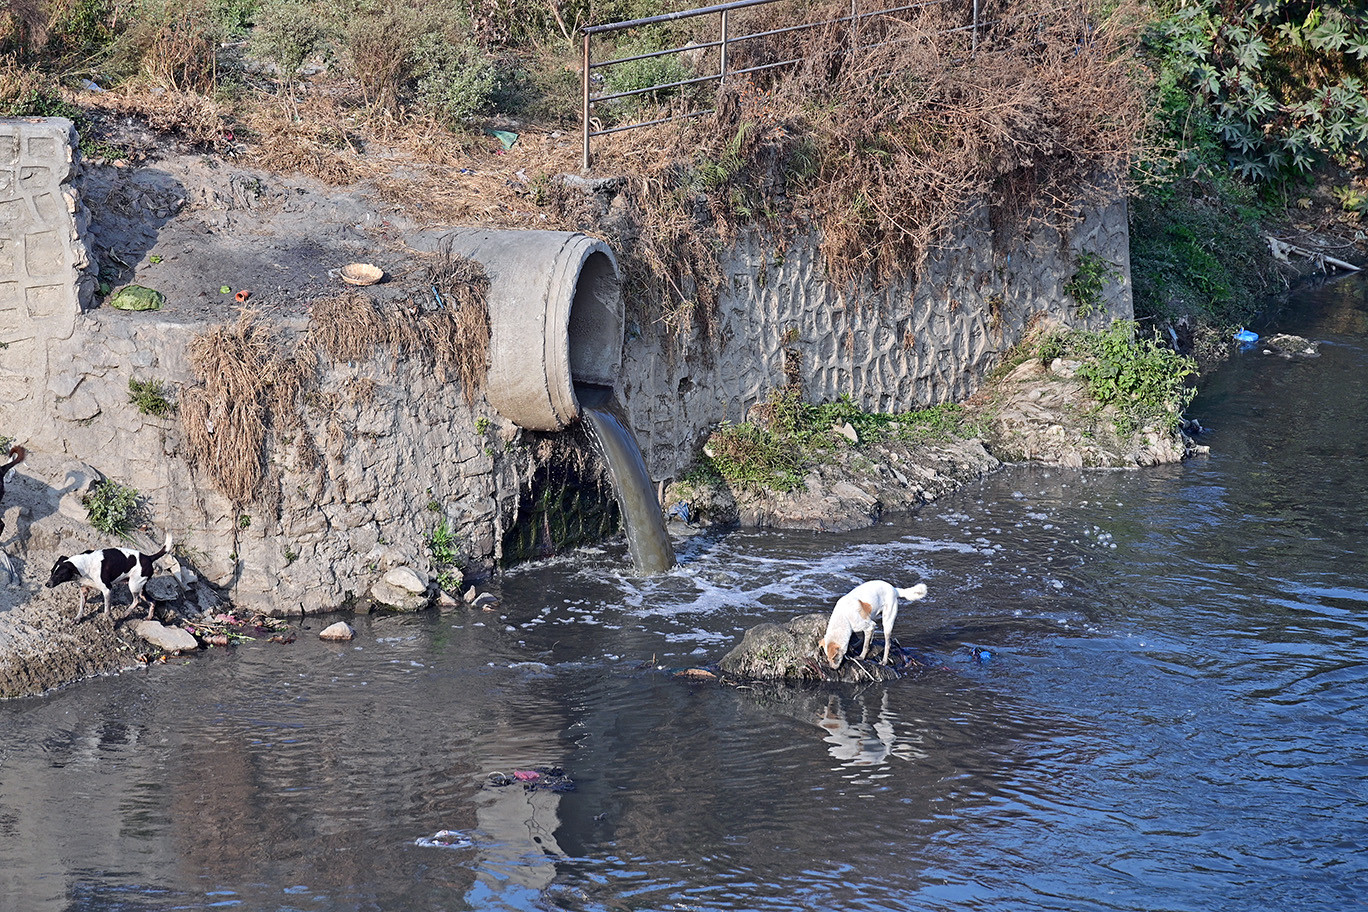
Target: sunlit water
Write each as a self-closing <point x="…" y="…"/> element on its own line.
<point x="1172" y="717"/>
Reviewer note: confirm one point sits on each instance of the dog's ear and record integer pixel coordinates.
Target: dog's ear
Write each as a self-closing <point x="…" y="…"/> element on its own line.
<point x="833" y="653"/>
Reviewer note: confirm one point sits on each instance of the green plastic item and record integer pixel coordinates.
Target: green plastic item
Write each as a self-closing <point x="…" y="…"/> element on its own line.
<point x="504" y="136"/>
<point x="137" y="297"/>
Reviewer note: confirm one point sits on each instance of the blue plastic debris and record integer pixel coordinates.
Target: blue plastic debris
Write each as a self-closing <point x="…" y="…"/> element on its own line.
<point x="982" y="654"/>
<point x="1245" y="335"/>
<point x="680" y="511"/>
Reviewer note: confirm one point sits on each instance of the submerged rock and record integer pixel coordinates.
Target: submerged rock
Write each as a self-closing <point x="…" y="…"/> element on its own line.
<point x="1288" y="346"/>
<point x="788" y="652"/>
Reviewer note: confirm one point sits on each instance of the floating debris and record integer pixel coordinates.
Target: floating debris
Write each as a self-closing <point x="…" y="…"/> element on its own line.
<point x="550" y="778"/>
<point x="227" y="628"/>
<point x="445" y="839"/>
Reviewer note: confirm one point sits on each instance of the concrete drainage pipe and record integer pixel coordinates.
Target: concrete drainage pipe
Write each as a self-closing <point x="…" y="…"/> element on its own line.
<point x="555" y="320"/>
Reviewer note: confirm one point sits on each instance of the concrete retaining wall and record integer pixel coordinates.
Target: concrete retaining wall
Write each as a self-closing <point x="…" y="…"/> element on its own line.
<point x="919" y="343"/>
<point x="44" y="263"/>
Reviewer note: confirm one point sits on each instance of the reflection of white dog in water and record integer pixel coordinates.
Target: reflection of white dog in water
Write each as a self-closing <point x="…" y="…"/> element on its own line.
<point x="869" y="742"/>
<point x="857" y="610"/>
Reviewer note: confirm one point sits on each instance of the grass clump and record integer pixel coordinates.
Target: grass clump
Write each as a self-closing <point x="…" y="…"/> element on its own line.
<point x="775" y="449"/>
<point x="1144" y="380"/>
<point x="150" y="397"/>
<point x="112" y="507"/>
<point x="251" y="378"/>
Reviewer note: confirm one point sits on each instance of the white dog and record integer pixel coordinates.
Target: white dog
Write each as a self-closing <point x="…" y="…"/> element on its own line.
<point x="857" y="610"/>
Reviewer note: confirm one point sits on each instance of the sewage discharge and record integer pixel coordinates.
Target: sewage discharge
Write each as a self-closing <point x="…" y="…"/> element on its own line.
<point x="647" y="540"/>
<point x="555" y="354"/>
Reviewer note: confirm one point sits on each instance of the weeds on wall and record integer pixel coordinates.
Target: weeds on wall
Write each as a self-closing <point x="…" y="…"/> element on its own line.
<point x="1090" y="279"/>
<point x="112" y="507"/>
<point x="151" y="397"/>
<point x="251" y="378"/>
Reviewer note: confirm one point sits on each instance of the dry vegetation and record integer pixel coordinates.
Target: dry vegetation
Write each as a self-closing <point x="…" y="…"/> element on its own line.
<point x="251" y="380"/>
<point x="253" y="377"/>
<point x="882" y="149"/>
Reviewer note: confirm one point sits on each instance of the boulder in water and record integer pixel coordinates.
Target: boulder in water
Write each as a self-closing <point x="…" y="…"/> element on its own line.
<point x="788" y="652"/>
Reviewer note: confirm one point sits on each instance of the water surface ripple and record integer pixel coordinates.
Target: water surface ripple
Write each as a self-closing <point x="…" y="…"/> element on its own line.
<point x="1172" y="717"/>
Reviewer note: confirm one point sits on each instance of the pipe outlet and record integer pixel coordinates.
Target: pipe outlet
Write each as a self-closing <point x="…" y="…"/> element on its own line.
<point x="555" y="320"/>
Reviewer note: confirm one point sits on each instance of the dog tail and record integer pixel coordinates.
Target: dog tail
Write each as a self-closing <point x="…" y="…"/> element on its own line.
<point x="166" y="546"/>
<point x="916" y="592"/>
<point x="18" y="453"/>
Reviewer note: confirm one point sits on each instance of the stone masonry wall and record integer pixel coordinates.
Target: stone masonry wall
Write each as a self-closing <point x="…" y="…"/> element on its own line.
<point x="387" y="451"/>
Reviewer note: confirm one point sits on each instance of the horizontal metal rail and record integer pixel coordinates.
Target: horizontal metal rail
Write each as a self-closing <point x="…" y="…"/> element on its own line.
<point x="722" y="43"/>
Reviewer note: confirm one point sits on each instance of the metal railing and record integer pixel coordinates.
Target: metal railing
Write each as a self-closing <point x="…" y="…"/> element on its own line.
<point x="724" y="43"/>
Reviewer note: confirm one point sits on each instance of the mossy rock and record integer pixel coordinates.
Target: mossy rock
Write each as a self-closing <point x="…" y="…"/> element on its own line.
<point x="137" y="297"/>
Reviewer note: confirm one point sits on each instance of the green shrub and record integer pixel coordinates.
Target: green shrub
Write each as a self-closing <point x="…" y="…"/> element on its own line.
<point x="113" y="507"/>
<point x="642" y="74"/>
<point x="287" y="32"/>
<point x="1144" y="380"/>
<point x="455" y="79"/>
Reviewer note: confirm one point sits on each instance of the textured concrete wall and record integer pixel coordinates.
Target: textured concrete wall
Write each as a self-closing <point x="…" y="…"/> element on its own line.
<point x="43" y="259"/>
<point x="918" y="343"/>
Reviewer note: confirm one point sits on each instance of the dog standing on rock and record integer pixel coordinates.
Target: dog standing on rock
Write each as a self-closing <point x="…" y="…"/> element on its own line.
<point x="17" y="454"/>
<point x="857" y="610"/>
<point x="101" y="570"/>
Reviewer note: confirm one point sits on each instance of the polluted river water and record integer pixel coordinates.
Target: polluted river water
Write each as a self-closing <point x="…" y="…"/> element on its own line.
<point x="1141" y="690"/>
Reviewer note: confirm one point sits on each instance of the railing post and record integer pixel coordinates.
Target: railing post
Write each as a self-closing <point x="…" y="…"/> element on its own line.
<point x="973" y="46"/>
<point x="854" y="25"/>
<point x="585" y="109"/>
<point x="722" y="49"/>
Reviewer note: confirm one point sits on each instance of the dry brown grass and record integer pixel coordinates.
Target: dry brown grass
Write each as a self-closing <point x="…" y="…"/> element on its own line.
<point x="307" y="138"/>
<point x="883" y="149"/>
<point x="453" y="338"/>
<point x="251" y="379"/>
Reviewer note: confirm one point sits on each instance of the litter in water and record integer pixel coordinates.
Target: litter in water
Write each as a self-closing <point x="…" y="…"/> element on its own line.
<point x="551" y="778"/>
<point x="445" y="839"/>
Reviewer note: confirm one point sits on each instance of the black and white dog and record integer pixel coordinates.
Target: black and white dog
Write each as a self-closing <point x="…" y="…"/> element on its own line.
<point x="17" y="454"/>
<point x="102" y="570"/>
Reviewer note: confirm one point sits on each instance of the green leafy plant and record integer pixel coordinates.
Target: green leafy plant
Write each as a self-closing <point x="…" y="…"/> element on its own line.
<point x="1090" y="278"/>
<point x="150" y="397"/>
<point x="112" y="507"/>
<point x="1276" y="84"/>
<point x="442" y="544"/>
<point x="1144" y="380"/>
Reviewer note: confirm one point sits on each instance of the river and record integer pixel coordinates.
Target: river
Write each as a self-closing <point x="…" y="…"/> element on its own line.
<point x="1171" y="716"/>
